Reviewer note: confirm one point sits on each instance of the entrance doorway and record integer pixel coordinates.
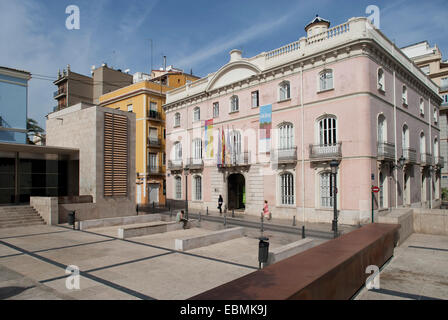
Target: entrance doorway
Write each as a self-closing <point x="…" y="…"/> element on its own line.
<point x="236" y="191"/>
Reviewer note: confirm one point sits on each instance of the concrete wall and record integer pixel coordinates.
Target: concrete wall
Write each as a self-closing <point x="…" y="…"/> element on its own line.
<point x="431" y="221"/>
<point x="47" y="207"/>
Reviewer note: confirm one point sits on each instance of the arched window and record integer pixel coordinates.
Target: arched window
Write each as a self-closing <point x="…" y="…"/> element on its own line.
<point x="422" y="107"/>
<point x="326" y="80"/>
<point x="197" y="188"/>
<point x="284" y="91"/>
<point x="177" y="119"/>
<point x="435" y="115"/>
<point x="422" y="143"/>
<point x="326" y="186"/>
<point x="327" y="131"/>
<point x="405" y="138"/>
<point x="287" y="188"/>
<point x="197" y="149"/>
<point x="436" y="151"/>
<point x="178" y="187"/>
<point x="285" y="136"/>
<point x="196" y="114"/>
<point x="234" y="103"/>
<point x="381" y="79"/>
<point x="382" y="129"/>
<point x="404" y="96"/>
<point x="177" y="151"/>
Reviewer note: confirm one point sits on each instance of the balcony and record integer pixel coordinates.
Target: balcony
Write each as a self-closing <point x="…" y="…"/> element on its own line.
<point x="154" y="142"/>
<point x="439" y="161"/>
<point x="410" y="155"/>
<point x="237" y="159"/>
<point x="58" y="93"/>
<point x="386" y="151"/>
<point x="284" y="155"/>
<point x="155" y="170"/>
<point x="154" y="115"/>
<point x="175" y="165"/>
<point x="325" y="152"/>
<point x="425" y="159"/>
<point x="194" y="164"/>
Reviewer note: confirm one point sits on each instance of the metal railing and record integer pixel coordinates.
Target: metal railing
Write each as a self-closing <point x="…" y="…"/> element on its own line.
<point x="326" y="152"/>
<point x="284" y="155"/>
<point x="175" y="164"/>
<point x="410" y="155"/>
<point x="385" y="151"/>
<point x="154" y="170"/>
<point x="194" y="163"/>
<point x="237" y="159"/>
<point x="154" y="115"/>
<point x="154" y="141"/>
<point x="425" y="159"/>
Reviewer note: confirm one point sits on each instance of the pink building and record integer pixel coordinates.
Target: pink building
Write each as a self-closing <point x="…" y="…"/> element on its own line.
<point x="345" y="93"/>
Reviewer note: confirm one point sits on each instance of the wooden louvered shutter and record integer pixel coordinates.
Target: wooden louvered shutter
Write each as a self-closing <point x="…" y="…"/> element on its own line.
<point x="115" y="155"/>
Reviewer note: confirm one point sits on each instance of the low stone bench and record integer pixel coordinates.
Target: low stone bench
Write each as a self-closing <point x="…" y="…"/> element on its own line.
<point x="403" y="217"/>
<point x="118" y="221"/>
<point x="151" y="228"/>
<point x="283" y="252"/>
<point x="193" y="242"/>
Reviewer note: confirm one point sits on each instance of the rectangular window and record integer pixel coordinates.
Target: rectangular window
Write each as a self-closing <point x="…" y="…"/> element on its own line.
<point x="164" y="158"/>
<point x="444" y="83"/>
<point x="178" y="186"/>
<point x="215" y="109"/>
<point x="287" y="188"/>
<point x="425" y="69"/>
<point x="130" y="108"/>
<point x="255" y="99"/>
<point x="326" y="190"/>
<point x="198" y="188"/>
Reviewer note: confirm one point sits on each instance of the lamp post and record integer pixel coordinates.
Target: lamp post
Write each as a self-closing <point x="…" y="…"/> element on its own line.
<point x="401" y="162"/>
<point x="334" y="170"/>
<point x="186" y="170"/>
<point x="431" y="172"/>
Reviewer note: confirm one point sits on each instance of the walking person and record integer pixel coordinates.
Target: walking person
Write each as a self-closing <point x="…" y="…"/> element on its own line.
<point x="266" y="212"/>
<point x="220" y="202"/>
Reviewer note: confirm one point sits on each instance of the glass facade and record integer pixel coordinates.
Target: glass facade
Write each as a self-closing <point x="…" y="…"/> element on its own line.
<point x="49" y="175"/>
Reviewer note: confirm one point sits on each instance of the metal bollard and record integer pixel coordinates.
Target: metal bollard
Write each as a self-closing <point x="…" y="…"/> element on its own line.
<point x="206" y="212"/>
<point x="171" y="213"/>
<point x="261" y="226"/>
<point x="153" y="204"/>
<point x="199" y="216"/>
<point x="225" y="218"/>
<point x="233" y="213"/>
<point x="303" y="232"/>
<point x="294" y="220"/>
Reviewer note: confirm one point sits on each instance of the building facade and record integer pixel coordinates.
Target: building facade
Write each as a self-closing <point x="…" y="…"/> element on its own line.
<point x="13" y="105"/>
<point x="74" y="88"/>
<point x="429" y="60"/>
<point x="345" y="93"/>
<point x="145" y="98"/>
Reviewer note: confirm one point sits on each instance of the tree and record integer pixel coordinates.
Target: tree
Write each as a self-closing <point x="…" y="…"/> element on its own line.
<point x="33" y="129"/>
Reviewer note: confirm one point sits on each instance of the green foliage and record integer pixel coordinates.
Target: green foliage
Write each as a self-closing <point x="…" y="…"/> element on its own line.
<point x="33" y="129"/>
<point x="444" y="193"/>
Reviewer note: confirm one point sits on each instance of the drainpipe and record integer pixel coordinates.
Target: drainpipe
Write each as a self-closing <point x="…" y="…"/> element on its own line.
<point x="303" y="146"/>
<point x="396" y="146"/>
<point x="430" y="152"/>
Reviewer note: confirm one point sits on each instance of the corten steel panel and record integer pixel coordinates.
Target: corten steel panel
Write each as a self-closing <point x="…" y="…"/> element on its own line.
<point x="332" y="270"/>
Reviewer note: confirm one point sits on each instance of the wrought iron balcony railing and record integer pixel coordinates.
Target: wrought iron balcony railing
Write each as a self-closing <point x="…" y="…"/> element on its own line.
<point x="325" y="152"/>
<point x="154" y="141"/>
<point x="284" y="155"/>
<point x="439" y="161"/>
<point x="194" y="163"/>
<point x="425" y="159"/>
<point x="154" y="115"/>
<point x="175" y="165"/>
<point x="410" y="155"/>
<point x="155" y="170"/>
<point x="386" y="151"/>
<point x="237" y="159"/>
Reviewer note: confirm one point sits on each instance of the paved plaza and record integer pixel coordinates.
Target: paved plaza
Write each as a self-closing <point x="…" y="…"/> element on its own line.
<point x="417" y="271"/>
<point x="145" y="267"/>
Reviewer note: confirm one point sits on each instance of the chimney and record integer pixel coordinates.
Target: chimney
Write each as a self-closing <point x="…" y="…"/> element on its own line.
<point x="164" y="63"/>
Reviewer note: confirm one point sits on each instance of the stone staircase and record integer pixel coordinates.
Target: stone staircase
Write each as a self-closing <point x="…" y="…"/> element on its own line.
<point x="19" y="216"/>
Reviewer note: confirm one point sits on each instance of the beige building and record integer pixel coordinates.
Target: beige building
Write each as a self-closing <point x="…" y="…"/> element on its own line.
<point x="74" y="88"/>
<point x="429" y="60"/>
<point x="105" y="139"/>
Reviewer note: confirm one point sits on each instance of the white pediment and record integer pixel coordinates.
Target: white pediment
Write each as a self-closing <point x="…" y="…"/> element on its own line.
<point x="231" y="73"/>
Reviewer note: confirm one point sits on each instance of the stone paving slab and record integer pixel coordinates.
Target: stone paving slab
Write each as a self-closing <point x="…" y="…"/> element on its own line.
<point x="417" y="271"/>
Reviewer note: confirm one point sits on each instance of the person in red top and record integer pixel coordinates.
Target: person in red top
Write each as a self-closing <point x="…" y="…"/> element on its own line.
<point x="266" y="210"/>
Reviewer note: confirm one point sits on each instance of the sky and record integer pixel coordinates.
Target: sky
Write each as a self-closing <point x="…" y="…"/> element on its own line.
<point x="195" y="35"/>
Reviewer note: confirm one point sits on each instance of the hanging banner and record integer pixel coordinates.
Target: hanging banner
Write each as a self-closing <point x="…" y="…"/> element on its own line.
<point x="265" y="128"/>
<point x="209" y="138"/>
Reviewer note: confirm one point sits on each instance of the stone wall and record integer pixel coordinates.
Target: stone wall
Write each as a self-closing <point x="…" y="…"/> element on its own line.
<point x="47" y="207"/>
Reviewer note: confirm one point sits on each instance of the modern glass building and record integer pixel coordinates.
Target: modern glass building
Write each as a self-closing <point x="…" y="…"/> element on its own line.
<point x="28" y="170"/>
<point x="13" y="104"/>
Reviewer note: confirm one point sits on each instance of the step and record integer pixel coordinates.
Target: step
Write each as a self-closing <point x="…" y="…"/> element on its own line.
<point x="12" y="225"/>
<point x="17" y="212"/>
<point x="20" y="218"/>
<point x="13" y="214"/>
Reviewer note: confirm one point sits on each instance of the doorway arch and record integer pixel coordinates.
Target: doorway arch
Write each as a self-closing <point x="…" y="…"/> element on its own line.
<point x="236" y="191"/>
